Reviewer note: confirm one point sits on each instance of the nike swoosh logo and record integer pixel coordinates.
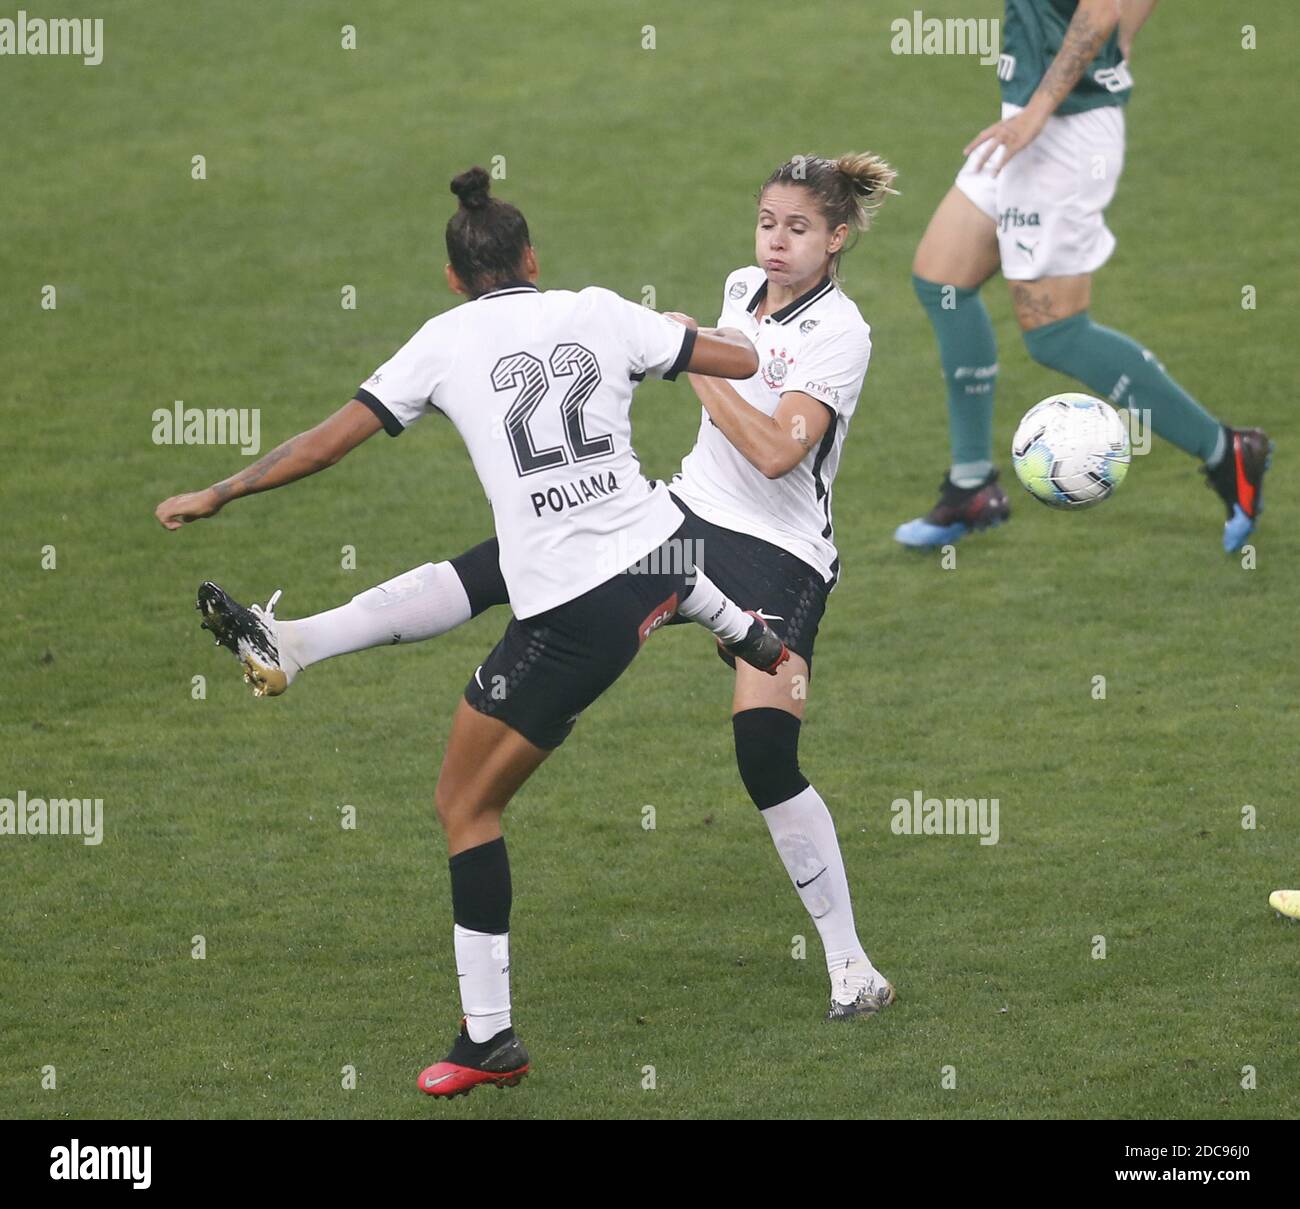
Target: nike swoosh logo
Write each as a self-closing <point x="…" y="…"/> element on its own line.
<point x="812" y="879"/>
<point x="439" y="1079"/>
<point x="769" y="616"/>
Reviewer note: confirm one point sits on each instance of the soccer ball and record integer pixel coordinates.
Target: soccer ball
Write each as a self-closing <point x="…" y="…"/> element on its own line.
<point x="1071" y="451"/>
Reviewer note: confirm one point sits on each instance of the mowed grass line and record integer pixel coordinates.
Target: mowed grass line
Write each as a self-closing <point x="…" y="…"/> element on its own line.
<point x="632" y="949"/>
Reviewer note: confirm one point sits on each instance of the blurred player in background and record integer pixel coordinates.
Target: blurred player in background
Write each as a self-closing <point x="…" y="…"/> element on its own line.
<point x="1030" y="200"/>
<point x="756" y="490"/>
<point x="566" y="490"/>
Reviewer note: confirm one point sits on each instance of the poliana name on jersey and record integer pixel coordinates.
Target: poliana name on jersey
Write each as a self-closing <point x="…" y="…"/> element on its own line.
<point x="575" y="492"/>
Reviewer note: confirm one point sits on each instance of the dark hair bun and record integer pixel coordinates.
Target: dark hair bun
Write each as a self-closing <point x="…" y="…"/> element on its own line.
<point x="472" y="188"/>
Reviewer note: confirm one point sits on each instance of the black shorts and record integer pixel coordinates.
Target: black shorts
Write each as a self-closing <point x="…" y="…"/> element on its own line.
<point x="548" y="668"/>
<point x="760" y="576"/>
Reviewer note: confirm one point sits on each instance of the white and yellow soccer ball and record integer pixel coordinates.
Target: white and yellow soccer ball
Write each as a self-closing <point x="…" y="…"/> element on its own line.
<point x="1071" y="451"/>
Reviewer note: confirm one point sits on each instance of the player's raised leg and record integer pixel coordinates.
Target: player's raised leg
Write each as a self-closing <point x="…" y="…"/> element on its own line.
<point x="421" y="603"/>
<point x="1058" y="332"/>
<point x="957" y="254"/>
<point x="767" y="713"/>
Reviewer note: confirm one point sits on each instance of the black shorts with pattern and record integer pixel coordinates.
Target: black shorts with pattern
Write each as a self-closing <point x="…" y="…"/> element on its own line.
<point x="548" y="668"/>
<point x="760" y="576"/>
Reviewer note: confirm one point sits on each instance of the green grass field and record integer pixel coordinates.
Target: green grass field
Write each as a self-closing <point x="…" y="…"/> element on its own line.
<point x="328" y="947"/>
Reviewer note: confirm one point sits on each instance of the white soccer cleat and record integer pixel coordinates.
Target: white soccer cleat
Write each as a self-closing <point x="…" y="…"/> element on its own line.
<point x="252" y="636"/>
<point x="858" y="990"/>
<point x="1286" y="902"/>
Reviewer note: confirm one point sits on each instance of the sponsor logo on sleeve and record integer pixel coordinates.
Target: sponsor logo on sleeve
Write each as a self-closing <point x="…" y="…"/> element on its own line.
<point x="822" y="390"/>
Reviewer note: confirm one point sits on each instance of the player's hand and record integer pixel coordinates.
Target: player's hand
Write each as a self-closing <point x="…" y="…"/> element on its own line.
<point x="192" y="506"/>
<point x="1012" y="135"/>
<point x="684" y="320"/>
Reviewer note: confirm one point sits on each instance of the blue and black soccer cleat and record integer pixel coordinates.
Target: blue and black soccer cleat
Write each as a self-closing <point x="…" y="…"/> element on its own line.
<point x="960" y="510"/>
<point x="1239" y="481"/>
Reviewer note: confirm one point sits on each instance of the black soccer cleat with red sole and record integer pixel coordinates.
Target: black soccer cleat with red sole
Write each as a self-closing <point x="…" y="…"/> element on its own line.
<point x="500" y="1061"/>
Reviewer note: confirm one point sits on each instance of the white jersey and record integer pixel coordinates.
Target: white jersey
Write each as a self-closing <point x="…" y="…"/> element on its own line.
<point x="539" y="386"/>
<point x="820" y="345"/>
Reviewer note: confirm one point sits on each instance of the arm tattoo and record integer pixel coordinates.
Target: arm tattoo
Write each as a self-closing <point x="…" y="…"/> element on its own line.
<point x="1083" y="41"/>
<point x="248" y="478"/>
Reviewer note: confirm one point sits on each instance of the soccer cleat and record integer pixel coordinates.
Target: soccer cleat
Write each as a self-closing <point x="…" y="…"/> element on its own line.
<point x="854" y="995"/>
<point x="1286" y="902"/>
<point x="1239" y="481"/>
<point x="501" y="1061"/>
<point x="250" y="634"/>
<point x="960" y="510"/>
<point x="761" y="647"/>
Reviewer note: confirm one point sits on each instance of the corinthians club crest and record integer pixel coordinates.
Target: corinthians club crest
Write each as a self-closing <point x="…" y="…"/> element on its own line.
<point x="777" y="368"/>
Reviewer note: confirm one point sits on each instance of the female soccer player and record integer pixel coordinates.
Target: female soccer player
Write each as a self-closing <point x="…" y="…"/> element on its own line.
<point x="756" y="489"/>
<point x="1030" y="200"/>
<point x="539" y="386"/>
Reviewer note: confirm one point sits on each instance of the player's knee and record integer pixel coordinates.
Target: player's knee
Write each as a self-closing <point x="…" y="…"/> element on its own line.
<point x="479" y="570"/>
<point x="767" y="754"/>
<point x="444" y="804"/>
<point x="1056" y="345"/>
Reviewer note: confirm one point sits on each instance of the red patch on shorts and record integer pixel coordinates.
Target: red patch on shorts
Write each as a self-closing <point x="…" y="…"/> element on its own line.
<point x="657" y="616"/>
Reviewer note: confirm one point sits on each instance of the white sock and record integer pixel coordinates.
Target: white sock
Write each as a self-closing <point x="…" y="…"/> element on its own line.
<point x="969" y="474"/>
<point x="804" y="834"/>
<point x="718" y="614"/>
<point x="418" y="604"/>
<point x="483" y="968"/>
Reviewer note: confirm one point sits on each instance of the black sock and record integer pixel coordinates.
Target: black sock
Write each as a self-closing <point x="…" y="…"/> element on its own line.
<point x="480" y="887"/>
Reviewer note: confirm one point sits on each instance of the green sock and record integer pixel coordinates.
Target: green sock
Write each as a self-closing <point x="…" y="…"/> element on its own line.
<point x="968" y="353"/>
<point x="1119" y="369"/>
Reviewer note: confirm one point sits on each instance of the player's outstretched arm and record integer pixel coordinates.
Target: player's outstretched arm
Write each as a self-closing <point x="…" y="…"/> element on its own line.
<point x="719" y="352"/>
<point x="299" y="456"/>
<point x="1093" y="22"/>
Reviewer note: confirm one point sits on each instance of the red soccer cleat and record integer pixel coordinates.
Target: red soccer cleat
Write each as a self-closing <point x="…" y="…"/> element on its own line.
<point x="501" y="1061"/>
